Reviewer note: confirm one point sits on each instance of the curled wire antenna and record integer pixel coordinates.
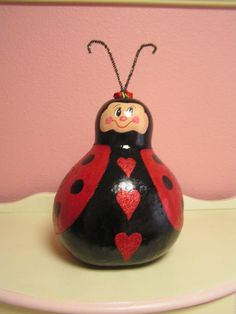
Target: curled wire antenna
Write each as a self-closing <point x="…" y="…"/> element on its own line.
<point x="110" y="55"/>
<point x="124" y="87"/>
<point x="136" y="59"/>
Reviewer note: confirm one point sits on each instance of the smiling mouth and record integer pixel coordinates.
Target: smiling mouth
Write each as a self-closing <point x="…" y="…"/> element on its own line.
<point x="122" y="127"/>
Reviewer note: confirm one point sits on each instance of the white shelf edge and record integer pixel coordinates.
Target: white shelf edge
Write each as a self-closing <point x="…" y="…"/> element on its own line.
<point x="191" y="203"/>
<point x="138" y="307"/>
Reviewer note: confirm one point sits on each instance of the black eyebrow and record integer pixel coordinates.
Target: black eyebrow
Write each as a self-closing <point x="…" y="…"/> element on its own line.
<point x="133" y="106"/>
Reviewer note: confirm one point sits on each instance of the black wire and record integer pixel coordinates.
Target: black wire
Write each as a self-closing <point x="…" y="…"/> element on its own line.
<point x="135" y="61"/>
<point x="123" y="89"/>
<point x="111" y="57"/>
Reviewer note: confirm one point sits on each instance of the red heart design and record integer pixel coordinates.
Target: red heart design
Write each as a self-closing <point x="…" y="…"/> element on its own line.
<point x="127" y="165"/>
<point x="128" y="244"/>
<point x="128" y="201"/>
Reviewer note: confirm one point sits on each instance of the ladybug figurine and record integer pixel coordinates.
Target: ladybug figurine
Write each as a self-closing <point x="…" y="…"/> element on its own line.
<point x="119" y="205"/>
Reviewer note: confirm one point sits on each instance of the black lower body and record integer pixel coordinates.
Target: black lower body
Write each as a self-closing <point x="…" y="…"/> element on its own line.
<point x="91" y="238"/>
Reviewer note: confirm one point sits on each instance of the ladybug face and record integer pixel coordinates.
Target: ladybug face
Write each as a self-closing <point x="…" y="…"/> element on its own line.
<point x="124" y="117"/>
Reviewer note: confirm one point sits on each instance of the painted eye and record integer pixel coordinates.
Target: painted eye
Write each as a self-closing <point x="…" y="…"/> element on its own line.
<point x="118" y="112"/>
<point x="129" y="112"/>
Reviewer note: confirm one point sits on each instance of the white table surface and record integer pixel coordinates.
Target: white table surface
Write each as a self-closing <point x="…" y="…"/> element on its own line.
<point x="36" y="271"/>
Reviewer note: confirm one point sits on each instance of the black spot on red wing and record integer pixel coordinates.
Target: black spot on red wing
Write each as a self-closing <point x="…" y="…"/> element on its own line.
<point x="77" y="187"/>
<point x="156" y="159"/>
<point x="87" y="159"/>
<point x="57" y="209"/>
<point x="167" y="182"/>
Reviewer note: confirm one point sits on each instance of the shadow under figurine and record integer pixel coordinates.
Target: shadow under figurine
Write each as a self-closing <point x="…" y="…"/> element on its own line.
<point x="119" y="205"/>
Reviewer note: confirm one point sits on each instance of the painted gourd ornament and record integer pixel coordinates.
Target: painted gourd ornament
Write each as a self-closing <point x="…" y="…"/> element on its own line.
<point x="119" y="205"/>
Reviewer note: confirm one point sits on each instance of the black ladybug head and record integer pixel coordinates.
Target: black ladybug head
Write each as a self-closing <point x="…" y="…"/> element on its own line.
<point x="124" y="122"/>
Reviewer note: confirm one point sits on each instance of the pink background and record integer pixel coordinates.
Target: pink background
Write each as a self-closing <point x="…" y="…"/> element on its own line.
<point x="51" y="89"/>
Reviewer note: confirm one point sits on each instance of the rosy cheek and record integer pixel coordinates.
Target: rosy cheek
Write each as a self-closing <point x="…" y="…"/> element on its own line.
<point x="136" y="119"/>
<point x="108" y="120"/>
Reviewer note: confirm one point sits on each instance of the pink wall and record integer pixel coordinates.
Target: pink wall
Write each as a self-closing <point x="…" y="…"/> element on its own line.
<point x="51" y="89"/>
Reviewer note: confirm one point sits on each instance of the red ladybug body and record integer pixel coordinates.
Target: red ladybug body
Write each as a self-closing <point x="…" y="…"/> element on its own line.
<point x="119" y="205"/>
